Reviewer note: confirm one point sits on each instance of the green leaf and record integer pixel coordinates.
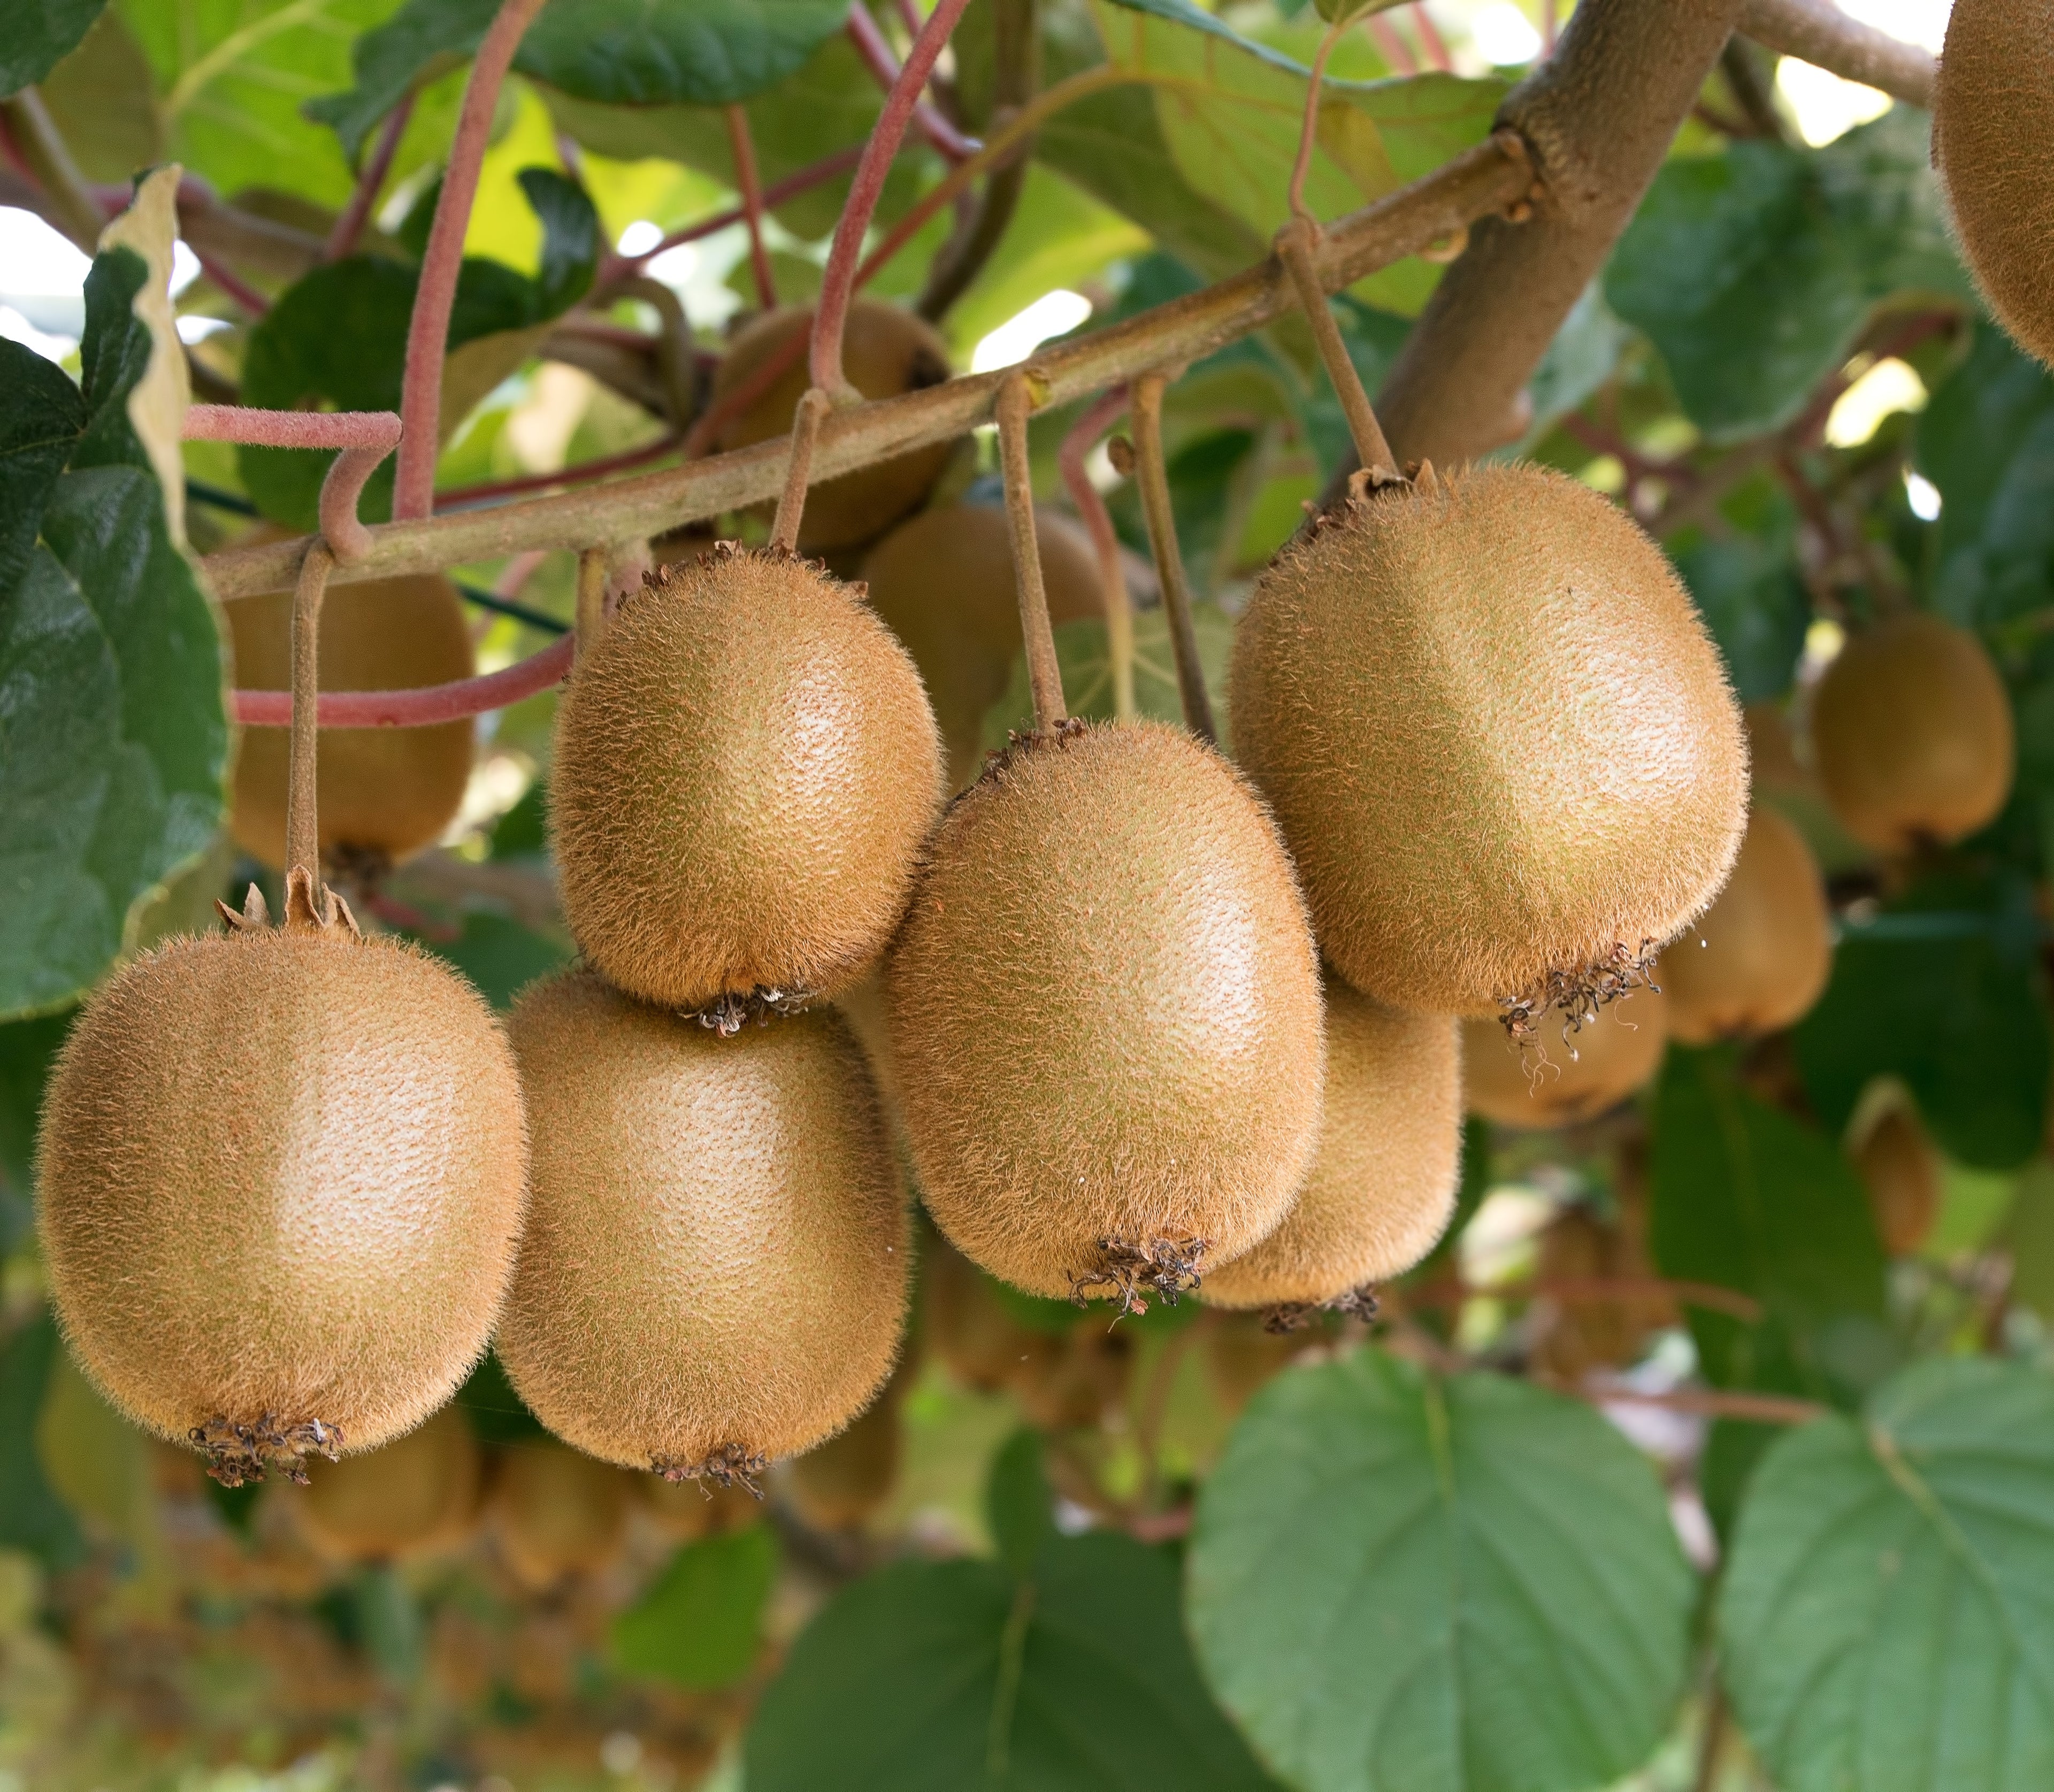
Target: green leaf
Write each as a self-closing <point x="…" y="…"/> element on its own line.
<point x="701" y="52"/>
<point x="495" y="1412"/>
<point x="932" y="1677"/>
<point x="40" y="34"/>
<point x="1754" y="272"/>
<point x="103" y="101"/>
<point x="1885" y="1618"/>
<point x="1019" y="1507"/>
<point x="1751" y="594"/>
<point x="1400" y="1583"/>
<point x="420" y="42"/>
<point x="28" y="1051"/>
<point x="45" y="415"/>
<point x="31" y="1517"/>
<point x="700" y="1622"/>
<point x="1941" y="989"/>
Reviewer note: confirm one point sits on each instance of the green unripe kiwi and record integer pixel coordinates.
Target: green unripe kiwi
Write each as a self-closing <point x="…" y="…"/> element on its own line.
<point x="555" y="1513"/>
<point x="1383" y="1185"/>
<point x="746" y="769"/>
<point x="1496" y="735"/>
<point x="1105" y="1016"/>
<point x="1556" y="1081"/>
<point x="1992" y="110"/>
<point x="886" y="353"/>
<point x="418" y="1492"/>
<point x="713" y="1273"/>
<point x="282" y="1173"/>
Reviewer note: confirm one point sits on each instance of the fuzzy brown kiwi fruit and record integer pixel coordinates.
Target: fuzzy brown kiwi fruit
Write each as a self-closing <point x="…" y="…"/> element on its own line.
<point x="1901" y="1171"/>
<point x="842" y="1485"/>
<point x="886" y="353"/>
<point x="1495" y="734"/>
<point x="1541" y="1084"/>
<point x="418" y="1492"/>
<point x="281" y="1175"/>
<point x="1912" y="730"/>
<point x="1580" y="1334"/>
<point x="713" y="1273"/>
<point x="981" y="1344"/>
<point x="1759" y="957"/>
<point x="1383" y="1185"/>
<point x="745" y="770"/>
<point x="1105" y="1007"/>
<point x="555" y="1513"/>
<point x="385" y="793"/>
<point x="943" y="582"/>
<point x="1992" y="106"/>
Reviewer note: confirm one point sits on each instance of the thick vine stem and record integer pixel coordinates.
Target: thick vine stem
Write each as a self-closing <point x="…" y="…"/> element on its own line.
<point x="935" y="131"/>
<point x="1819" y="33"/>
<point x="591" y="600"/>
<point x="302" y="818"/>
<point x="814" y="404"/>
<point x="1084" y="435"/>
<point x="1154" y="480"/>
<point x="1294" y="249"/>
<point x="1044" y="674"/>
<point x="1481" y="181"/>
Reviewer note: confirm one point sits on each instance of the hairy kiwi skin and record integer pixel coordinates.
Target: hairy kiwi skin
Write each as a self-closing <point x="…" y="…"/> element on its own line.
<point x="385" y="793"/>
<point x="281" y="1175"/>
<point x="1543" y="1085"/>
<point x="716" y="1254"/>
<point x="1104" y="1009"/>
<point x="886" y="351"/>
<point x="745" y="771"/>
<point x="555" y="1513"/>
<point x="943" y="583"/>
<point x="1991" y="105"/>
<point x="1759" y="957"/>
<point x="1496" y="735"/>
<point x="1912" y="729"/>
<point x="415" y="1493"/>
<point x="1383" y="1186"/>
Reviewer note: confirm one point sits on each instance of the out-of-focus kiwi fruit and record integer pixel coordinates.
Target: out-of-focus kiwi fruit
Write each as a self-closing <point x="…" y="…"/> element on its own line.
<point x="1498" y="739"/>
<point x="1759" y="957"/>
<point x="686" y="1510"/>
<point x="1582" y="1333"/>
<point x="1243" y="1355"/>
<point x="554" y="1512"/>
<point x="746" y="769"/>
<point x="980" y="1343"/>
<point x="1912" y="730"/>
<point x="1072" y="1386"/>
<point x="1901" y="1171"/>
<point x="419" y="1492"/>
<point x="1556" y="1081"/>
<point x="1105" y="1015"/>
<point x="886" y="353"/>
<point x="842" y="1485"/>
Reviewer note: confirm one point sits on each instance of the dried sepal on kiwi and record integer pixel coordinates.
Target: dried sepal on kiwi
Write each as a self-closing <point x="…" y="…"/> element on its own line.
<point x="1128" y="1270"/>
<point x="732" y="1465"/>
<point x="1289" y="1316"/>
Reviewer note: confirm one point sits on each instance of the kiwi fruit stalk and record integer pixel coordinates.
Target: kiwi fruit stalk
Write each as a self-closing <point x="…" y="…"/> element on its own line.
<point x="886" y="353"/>
<point x="714" y="1274"/>
<point x="746" y="769"/>
<point x="1569" y="1073"/>
<point x="1105" y="1016"/>
<point x="417" y="1493"/>
<point x="1383" y="1185"/>
<point x="1901" y="1171"/>
<point x="1992" y="105"/>
<point x="1761" y="955"/>
<point x="1496" y="735"/>
<point x="554" y="1513"/>
<point x="1912" y="730"/>
<point x="281" y="1172"/>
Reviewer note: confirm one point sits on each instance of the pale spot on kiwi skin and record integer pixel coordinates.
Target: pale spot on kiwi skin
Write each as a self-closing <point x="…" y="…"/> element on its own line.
<point x="238" y="1454"/>
<point x="1165" y="1267"/>
<point x="731" y="1465"/>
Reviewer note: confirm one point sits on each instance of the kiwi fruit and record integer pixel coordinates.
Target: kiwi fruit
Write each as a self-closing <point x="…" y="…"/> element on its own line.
<point x="714" y="1274"/>
<point x="1566" y="1074"/>
<point x="1992" y="102"/>
<point x="384" y="793"/>
<point x="840" y="1484"/>
<point x="886" y="353"/>
<point x="1383" y="1185"/>
<point x="745" y="771"/>
<point x="1581" y="1334"/>
<point x="282" y="1173"/>
<point x="1901" y="1171"/>
<point x="1759" y="957"/>
<point x="980" y="1343"/>
<point x="1911" y="727"/>
<point x="1077" y="1377"/>
<point x="555" y="1513"/>
<point x="418" y="1492"/>
<point x="686" y="1510"/>
<point x="1499" y="741"/>
<point x="943" y="583"/>
<point x="1243" y="1355"/>
<point x="1105" y="1015"/>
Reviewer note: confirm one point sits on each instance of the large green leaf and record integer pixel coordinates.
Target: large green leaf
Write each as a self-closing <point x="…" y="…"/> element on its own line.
<point x="40" y="34"/>
<point x="1887" y="1618"/>
<point x="28" y="1049"/>
<point x="1749" y="590"/>
<point x="699" y="1623"/>
<point x="1403" y="1583"/>
<point x="1754" y="272"/>
<point x="418" y="42"/>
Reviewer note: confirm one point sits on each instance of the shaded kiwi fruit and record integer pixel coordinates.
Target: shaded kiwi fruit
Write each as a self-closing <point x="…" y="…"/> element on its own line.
<point x="981" y="1344"/>
<point x="1992" y="106"/>
<point x="282" y="1173"/>
<point x="1077" y="1377"/>
<point x="1383" y="1184"/>
<point x="1496" y="735"/>
<point x="1901" y="1171"/>
<point x="746" y="769"/>
<point x="1911" y="727"/>
<point x="713" y="1273"/>
<point x="1559" y="1079"/>
<point x="1243" y="1355"/>
<point x="555" y="1513"/>
<point x="385" y="793"/>
<point x="841" y="1484"/>
<point x="686" y="1510"/>
<point x="418" y="1492"/>
<point x="1105" y="1014"/>
<point x="1760" y="956"/>
<point x="886" y="353"/>
<point x="944" y="585"/>
<point x="1580" y="1334"/>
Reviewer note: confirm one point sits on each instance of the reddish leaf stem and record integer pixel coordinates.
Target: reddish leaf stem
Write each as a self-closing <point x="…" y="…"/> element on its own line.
<point x="804" y="180"/>
<point x="349" y="227"/>
<point x="1436" y="46"/>
<point x="465" y="497"/>
<point x="876" y="53"/>
<point x="1392" y="47"/>
<point x="364" y="437"/>
<point x="1308" y="132"/>
<point x="743" y="148"/>
<point x="232" y="283"/>
<point x="423" y="707"/>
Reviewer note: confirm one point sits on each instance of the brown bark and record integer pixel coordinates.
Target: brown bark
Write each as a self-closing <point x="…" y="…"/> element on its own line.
<point x="1817" y="32"/>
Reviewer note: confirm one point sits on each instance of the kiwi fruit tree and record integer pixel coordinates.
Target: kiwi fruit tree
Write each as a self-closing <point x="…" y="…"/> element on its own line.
<point x="960" y="893"/>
